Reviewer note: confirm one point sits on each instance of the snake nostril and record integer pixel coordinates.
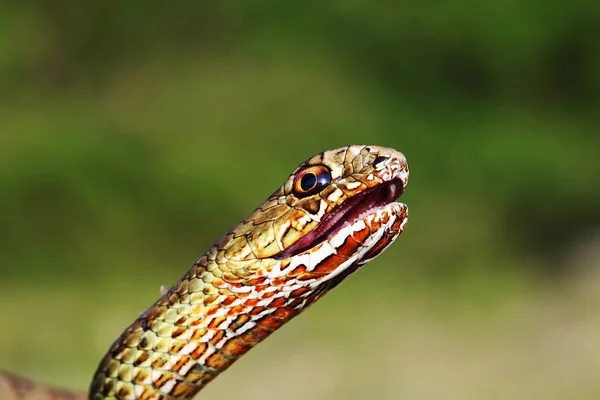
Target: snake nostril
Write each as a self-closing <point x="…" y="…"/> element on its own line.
<point x="379" y="160"/>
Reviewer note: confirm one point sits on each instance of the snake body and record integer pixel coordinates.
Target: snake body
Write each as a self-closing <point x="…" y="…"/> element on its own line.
<point x="334" y="213"/>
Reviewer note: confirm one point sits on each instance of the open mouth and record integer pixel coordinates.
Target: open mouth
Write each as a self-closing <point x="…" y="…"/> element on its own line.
<point x="350" y="211"/>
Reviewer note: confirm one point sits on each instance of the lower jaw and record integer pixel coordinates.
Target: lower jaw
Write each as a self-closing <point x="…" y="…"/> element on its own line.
<point x="358" y="242"/>
<point x="396" y="215"/>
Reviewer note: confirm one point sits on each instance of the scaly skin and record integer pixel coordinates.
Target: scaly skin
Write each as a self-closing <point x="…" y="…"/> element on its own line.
<point x="254" y="279"/>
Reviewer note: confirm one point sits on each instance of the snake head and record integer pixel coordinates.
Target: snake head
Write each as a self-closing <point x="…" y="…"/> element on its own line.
<point x="337" y="209"/>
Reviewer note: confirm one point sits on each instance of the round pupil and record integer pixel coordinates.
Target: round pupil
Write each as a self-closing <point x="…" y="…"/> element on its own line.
<point x="308" y="181"/>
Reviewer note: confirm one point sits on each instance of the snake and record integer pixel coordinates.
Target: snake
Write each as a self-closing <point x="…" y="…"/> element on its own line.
<point x="334" y="213"/>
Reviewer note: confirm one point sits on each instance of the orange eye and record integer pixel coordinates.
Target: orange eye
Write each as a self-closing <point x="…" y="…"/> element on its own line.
<point x="311" y="180"/>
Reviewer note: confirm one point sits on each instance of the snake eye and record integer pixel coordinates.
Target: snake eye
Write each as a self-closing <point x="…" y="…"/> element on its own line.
<point x="311" y="180"/>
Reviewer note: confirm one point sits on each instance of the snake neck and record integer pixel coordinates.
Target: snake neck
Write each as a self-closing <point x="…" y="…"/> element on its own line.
<point x="199" y="328"/>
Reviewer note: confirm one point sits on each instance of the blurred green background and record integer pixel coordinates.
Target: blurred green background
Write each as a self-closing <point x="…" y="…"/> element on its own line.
<point x="134" y="134"/>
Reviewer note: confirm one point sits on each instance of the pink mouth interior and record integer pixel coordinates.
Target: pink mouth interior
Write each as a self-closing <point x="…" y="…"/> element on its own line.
<point x="349" y="211"/>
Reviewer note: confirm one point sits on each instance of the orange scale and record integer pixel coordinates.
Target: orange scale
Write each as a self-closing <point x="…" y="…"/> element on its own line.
<point x="218" y="361"/>
<point x="260" y="332"/>
<point x="308" y="276"/>
<point x="257" y="310"/>
<point x="239" y="321"/>
<point x="256" y="281"/>
<point x="348" y="248"/>
<point x="214" y="324"/>
<point x="227" y="301"/>
<point x="271" y="323"/>
<point x="328" y="265"/>
<point x="199" y="351"/>
<point x="178" y="331"/>
<point x="279" y="281"/>
<point x="183" y="360"/>
<point x="180" y="389"/>
<point x="181" y="321"/>
<point x="217" y="337"/>
<point x="361" y="235"/>
<point x="300" y="269"/>
<point x="299" y="292"/>
<point x="251" y="302"/>
<point x="236" y="310"/>
<point x="235" y="348"/>
<point x="250" y="337"/>
<point x="177" y="346"/>
<point x="268" y="295"/>
<point x="212" y="310"/>
<point x="285" y="313"/>
<point x="278" y="302"/>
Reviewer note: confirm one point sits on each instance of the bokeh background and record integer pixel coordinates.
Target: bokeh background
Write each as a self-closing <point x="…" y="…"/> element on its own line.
<point x="134" y="134"/>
